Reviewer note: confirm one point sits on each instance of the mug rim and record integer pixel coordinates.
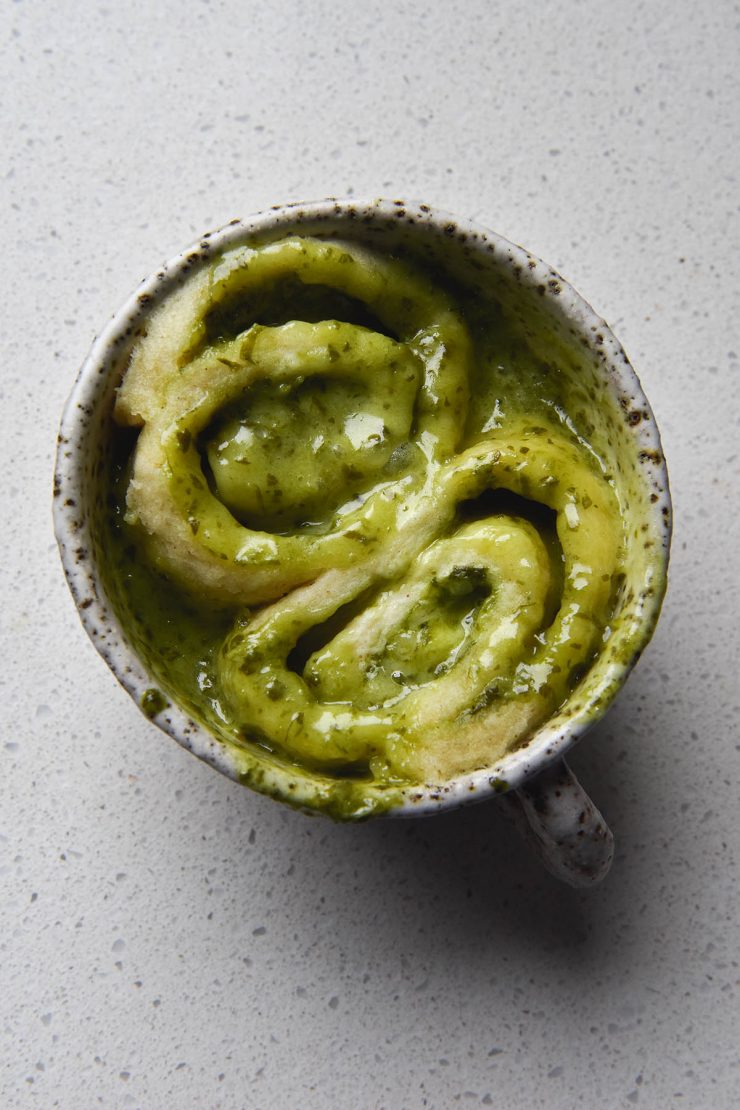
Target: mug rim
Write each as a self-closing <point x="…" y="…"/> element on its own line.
<point x="98" y="616"/>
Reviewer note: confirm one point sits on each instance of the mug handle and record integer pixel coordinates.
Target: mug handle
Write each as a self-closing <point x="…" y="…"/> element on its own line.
<point x="563" y="826"/>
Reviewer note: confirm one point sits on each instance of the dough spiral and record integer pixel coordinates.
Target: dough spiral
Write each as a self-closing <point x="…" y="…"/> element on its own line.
<point x="312" y="476"/>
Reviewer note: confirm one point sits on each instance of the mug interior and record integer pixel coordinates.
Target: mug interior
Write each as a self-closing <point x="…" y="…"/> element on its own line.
<point x="561" y="331"/>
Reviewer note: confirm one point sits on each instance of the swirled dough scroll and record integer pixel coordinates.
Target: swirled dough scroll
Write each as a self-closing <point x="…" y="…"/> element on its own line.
<point x="313" y="464"/>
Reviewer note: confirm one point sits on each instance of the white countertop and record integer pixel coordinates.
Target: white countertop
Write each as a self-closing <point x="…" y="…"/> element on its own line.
<point x="171" y="940"/>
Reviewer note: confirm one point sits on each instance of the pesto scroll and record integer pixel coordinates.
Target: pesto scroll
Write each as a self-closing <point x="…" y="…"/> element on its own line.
<point x="302" y="466"/>
<point x="270" y="456"/>
<point x="468" y="651"/>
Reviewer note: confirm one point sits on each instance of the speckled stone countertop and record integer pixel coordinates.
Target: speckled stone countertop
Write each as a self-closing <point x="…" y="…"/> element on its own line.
<point x="168" y="939"/>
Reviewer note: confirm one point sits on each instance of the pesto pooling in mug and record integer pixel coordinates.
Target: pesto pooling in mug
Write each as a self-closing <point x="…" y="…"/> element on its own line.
<point x="356" y="521"/>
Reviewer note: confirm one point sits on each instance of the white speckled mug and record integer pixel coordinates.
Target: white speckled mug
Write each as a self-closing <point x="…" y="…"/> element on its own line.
<point x="561" y="329"/>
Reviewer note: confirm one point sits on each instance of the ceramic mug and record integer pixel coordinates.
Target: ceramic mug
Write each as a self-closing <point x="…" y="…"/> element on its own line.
<point x="560" y="330"/>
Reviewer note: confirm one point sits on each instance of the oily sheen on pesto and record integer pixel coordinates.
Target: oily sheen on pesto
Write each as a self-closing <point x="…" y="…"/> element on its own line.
<point x="374" y="543"/>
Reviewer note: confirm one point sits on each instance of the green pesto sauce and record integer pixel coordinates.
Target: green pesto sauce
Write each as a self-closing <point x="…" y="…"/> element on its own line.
<point x="282" y="457"/>
<point x="429" y="639"/>
<point x="295" y="456"/>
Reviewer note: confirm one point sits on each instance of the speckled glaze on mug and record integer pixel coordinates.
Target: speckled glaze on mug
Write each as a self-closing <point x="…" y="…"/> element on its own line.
<point x="561" y="329"/>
